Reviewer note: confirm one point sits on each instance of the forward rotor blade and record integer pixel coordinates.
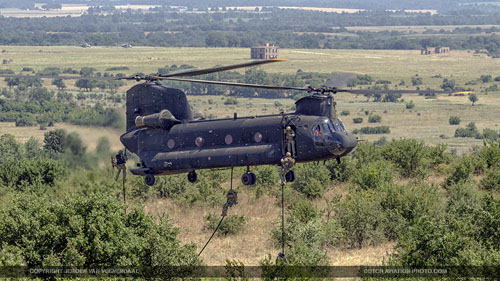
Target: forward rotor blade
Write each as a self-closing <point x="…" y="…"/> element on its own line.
<point x="219" y="68"/>
<point x="270" y="87"/>
<point x="58" y="77"/>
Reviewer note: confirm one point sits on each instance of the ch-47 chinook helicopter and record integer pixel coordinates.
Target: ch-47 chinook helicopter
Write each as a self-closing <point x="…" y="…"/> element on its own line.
<point x="171" y="138"/>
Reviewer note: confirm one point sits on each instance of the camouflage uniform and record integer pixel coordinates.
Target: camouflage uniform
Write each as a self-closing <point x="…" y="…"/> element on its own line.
<point x="287" y="163"/>
<point x="121" y="159"/>
<point x="290" y="140"/>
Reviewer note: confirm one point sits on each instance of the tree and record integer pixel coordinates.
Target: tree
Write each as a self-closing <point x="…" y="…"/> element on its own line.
<point x="59" y="83"/>
<point x="473" y="98"/>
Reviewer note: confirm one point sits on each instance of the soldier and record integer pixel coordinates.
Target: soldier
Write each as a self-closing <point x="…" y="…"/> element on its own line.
<point x="121" y="159"/>
<point x="290" y="140"/>
<point x="287" y="163"/>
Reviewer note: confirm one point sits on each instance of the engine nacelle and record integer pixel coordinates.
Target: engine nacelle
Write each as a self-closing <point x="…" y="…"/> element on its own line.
<point x="164" y="119"/>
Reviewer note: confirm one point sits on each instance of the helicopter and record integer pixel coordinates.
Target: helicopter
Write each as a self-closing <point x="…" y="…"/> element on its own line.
<point x="170" y="137"/>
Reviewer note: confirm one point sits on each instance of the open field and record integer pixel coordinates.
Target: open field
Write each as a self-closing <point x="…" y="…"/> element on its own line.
<point x="414" y="28"/>
<point x="72" y="10"/>
<point x="391" y="65"/>
<point x="427" y="121"/>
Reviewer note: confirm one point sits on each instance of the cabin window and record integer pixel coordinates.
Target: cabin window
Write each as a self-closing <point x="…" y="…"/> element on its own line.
<point x="229" y="139"/>
<point x="257" y="137"/>
<point x="199" y="141"/>
<point x="315" y="131"/>
<point x="171" y="143"/>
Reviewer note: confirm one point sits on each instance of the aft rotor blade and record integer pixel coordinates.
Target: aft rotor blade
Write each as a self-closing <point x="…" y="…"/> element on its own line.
<point x="270" y="87"/>
<point x="58" y="77"/>
<point x="368" y="91"/>
<point x="219" y="68"/>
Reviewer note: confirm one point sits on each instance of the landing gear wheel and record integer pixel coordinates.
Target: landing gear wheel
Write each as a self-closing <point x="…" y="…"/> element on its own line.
<point x="192" y="176"/>
<point x="290" y="176"/>
<point x="248" y="178"/>
<point x="149" y="179"/>
<point x="254" y="178"/>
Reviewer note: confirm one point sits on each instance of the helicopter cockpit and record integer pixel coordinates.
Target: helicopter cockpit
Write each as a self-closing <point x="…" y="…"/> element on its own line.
<point x="333" y="135"/>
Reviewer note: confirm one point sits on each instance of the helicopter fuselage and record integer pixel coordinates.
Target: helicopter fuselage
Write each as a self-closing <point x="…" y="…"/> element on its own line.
<point x="259" y="140"/>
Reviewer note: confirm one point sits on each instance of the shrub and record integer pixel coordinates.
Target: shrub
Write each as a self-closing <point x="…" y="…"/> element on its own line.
<point x="373" y="130"/>
<point x="339" y="172"/>
<point x="462" y="171"/>
<point x="87" y="231"/>
<point x="408" y="155"/>
<point x="454" y="120"/>
<point x="469" y="132"/>
<point x="490" y="154"/>
<point x="361" y="216"/>
<point x="489" y="134"/>
<point x="231" y="225"/>
<point x="410" y="105"/>
<point x="25" y="120"/>
<point x="374" y="119"/>
<point x="491" y="180"/>
<point x="266" y="175"/>
<point x="230" y="101"/>
<point x="345" y="112"/>
<point x="403" y="204"/>
<point x="372" y="175"/>
<point x="311" y="179"/>
<point x="357" y="120"/>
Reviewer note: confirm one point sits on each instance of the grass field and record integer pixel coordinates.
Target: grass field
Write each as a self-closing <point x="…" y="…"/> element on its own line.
<point x="427" y="121"/>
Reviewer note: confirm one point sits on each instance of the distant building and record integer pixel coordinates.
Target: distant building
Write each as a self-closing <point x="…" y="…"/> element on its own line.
<point x="85" y="45"/>
<point x="9" y="61"/>
<point x="264" y="52"/>
<point x="434" y="50"/>
<point x="126" y="46"/>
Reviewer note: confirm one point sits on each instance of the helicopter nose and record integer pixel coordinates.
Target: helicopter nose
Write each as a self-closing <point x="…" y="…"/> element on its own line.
<point x="342" y="143"/>
<point x="349" y="143"/>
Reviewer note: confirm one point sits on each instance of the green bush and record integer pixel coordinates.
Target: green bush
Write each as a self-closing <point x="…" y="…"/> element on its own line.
<point x="230" y="101"/>
<point x="401" y="205"/>
<point x="469" y="132"/>
<point x="462" y="171"/>
<point x="372" y="175"/>
<point x="491" y="180"/>
<point x="312" y="179"/>
<point x="357" y="120"/>
<point x="26" y="120"/>
<point x="362" y="218"/>
<point x="490" y="154"/>
<point x="345" y="112"/>
<point x="306" y="235"/>
<point x="454" y="120"/>
<point x="88" y="231"/>
<point x="339" y="172"/>
<point x="408" y="155"/>
<point x="410" y="105"/>
<point x="490" y="135"/>
<point x="373" y="130"/>
<point x="374" y="119"/>
<point x="231" y="225"/>
<point x="267" y="176"/>
<point x="31" y="174"/>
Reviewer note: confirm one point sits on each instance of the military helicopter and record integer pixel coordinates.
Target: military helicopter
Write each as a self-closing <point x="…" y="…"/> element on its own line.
<point x="170" y="137"/>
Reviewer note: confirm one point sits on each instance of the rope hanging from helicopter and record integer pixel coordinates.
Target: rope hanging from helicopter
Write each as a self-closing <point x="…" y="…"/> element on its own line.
<point x="232" y="199"/>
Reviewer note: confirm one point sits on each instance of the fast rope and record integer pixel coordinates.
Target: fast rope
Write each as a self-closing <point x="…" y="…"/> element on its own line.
<point x="281" y="255"/>
<point x="232" y="199"/>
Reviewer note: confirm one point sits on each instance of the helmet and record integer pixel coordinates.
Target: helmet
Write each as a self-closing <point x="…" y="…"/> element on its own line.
<point x="288" y="154"/>
<point x="288" y="127"/>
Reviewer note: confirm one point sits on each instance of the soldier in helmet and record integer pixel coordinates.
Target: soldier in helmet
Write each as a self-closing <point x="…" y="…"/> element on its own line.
<point x="287" y="163"/>
<point x="290" y="140"/>
<point x="121" y="159"/>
